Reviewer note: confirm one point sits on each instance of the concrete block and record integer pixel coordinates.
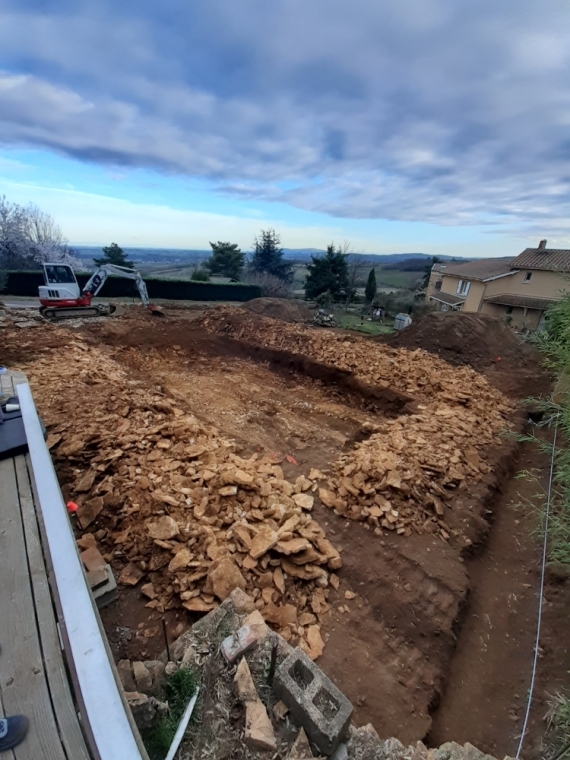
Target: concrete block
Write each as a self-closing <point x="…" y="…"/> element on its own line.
<point x="314" y="701"/>
<point x="103" y="585"/>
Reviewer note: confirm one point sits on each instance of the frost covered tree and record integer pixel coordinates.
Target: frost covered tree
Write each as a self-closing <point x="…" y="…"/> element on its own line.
<point x="30" y="236"/>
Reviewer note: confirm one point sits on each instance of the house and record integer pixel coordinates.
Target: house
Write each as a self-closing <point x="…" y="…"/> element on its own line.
<point x="518" y="290"/>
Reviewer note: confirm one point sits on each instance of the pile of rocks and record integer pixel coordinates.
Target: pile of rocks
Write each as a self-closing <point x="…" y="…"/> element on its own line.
<point x="417" y="373"/>
<point x="402" y="476"/>
<point x="170" y="504"/>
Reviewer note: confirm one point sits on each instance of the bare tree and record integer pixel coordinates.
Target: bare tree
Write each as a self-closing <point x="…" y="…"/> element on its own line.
<point x="356" y="273"/>
<point x="30" y="236"/>
<point x="271" y="286"/>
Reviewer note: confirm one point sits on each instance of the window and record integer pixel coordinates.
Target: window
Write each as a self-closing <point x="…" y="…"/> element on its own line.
<point x="438" y="285"/>
<point x="509" y="309"/>
<point x="463" y="287"/>
<point x="59" y="274"/>
<point x="527" y="277"/>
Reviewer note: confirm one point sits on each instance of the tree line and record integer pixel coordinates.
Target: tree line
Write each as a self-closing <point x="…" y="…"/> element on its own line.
<point x="30" y="237"/>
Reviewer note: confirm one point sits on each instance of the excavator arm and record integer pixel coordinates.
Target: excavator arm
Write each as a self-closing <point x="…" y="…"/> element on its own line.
<point x="97" y="280"/>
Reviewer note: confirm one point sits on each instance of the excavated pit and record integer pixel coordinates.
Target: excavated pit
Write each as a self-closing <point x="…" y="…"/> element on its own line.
<point x="403" y="602"/>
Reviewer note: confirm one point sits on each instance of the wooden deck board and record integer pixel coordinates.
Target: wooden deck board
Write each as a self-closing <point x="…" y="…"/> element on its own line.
<point x="58" y="684"/>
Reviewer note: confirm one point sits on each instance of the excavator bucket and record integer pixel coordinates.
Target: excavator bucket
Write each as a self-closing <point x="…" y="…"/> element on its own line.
<point x="156" y="311"/>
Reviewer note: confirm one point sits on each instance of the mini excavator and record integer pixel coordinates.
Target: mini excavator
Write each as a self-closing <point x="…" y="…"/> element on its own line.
<point x="62" y="298"/>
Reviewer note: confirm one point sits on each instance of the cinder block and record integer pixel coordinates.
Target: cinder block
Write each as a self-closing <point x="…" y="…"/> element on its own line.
<point x="103" y="585"/>
<point x="314" y="701"/>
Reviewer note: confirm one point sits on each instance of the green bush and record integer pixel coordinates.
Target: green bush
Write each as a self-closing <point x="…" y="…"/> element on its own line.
<point x="27" y="283"/>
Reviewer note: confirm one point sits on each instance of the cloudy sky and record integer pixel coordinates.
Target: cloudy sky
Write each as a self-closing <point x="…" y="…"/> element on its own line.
<point x="399" y="125"/>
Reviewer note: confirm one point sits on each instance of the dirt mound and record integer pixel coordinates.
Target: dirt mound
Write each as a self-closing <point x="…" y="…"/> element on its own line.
<point x="475" y="339"/>
<point x="279" y="308"/>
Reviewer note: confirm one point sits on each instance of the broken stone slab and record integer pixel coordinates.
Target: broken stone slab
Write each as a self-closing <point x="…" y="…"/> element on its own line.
<point x="245" y="638"/>
<point x="315" y="702"/>
<point x="130" y="575"/>
<point x="223" y="577"/>
<point x="304" y="500"/>
<point x="258" y="729"/>
<point x="301" y="749"/>
<point x="142" y="676"/>
<point x="89" y="511"/>
<point x="144" y="709"/>
<point x="242" y="602"/>
<point x="125" y="672"/>
<point x="163" y="529"/>
<point x="244" y="682"/>
<point x="264" y="540"/>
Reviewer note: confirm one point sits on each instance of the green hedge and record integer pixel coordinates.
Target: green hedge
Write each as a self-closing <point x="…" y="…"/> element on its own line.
<point x="27" y="283"/>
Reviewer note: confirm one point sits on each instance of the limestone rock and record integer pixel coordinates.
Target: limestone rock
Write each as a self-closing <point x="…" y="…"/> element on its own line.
<point x="258" y="729"/>
<point x="89" y="511"/>
<point x="223" y="577"/>
<point x="180" y="560"/>
<point x="264" y="540"/>
<point x="244" y="682"/>
<point x="125" y="672"/>
<point x="142" y="676"/>
<point x="304" y="500"/>
<point x="130" y="575"/>
<point x="165" y="528"/>
<point x="242" y="602"/>
<point x="301" y="749"/>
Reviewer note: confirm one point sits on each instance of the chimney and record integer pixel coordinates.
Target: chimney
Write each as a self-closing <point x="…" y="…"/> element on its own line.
<point x="542" y="245"/>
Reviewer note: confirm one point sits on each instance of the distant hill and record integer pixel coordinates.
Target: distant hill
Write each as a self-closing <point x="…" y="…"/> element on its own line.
<point x="181" y="256"/>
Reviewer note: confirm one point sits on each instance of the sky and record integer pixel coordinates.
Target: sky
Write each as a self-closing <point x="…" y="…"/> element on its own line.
<point x="440" y="126"/>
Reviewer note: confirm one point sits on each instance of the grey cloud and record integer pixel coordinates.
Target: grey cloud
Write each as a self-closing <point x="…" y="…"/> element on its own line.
<point x="431" y="110"/>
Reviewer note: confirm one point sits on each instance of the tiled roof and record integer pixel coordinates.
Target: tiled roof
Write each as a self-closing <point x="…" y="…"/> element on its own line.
<point x="528" y="302"/>
<point x="448" y="298"/>
<point x="438" y="267"/>
<point x="551" y="259"/>
<point x="482" y="269"/>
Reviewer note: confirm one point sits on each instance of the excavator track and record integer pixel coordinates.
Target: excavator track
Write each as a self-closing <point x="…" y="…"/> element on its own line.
<point x="76" y="312"/>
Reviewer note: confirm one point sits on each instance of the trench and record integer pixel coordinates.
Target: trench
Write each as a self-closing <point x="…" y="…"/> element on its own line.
<point x="484" y="695"/>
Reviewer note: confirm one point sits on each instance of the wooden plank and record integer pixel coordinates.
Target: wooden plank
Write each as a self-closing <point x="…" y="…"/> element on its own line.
<point x="58" y="684"/>
<point x="23" y="683"/>
<point x="103" y="711"/>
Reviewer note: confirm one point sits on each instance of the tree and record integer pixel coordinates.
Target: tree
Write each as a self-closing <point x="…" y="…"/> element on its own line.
<point x="227" y="260"/>
<point x="29" y="236"/>
<point x="428" y="268"/>
<point x="370" y="291"/>
<point x="328" y="273"/>
<point x="200" y="275"/>
<point x="114" y="254"/>
<point x="268" y="256"/>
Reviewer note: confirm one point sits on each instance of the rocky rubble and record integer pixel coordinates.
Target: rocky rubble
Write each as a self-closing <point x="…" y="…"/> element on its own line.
<point x="170" y="504"/>
<point x="401" y="477"/>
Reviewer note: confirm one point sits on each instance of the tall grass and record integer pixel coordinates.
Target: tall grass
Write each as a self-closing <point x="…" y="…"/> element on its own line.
<point x="554" y="341"/>
<point x="178" y="689"/>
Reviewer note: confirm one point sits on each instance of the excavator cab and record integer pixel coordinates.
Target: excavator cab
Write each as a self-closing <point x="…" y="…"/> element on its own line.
<point x="60" y="283"/>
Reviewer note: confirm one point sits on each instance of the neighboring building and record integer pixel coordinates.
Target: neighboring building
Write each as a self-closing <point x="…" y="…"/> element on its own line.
<point x="519" y="290"/>
<point x="435" y="280"/>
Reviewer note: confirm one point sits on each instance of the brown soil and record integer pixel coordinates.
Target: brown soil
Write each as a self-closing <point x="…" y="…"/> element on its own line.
<point x="485" y="343"/>
<point x="435" y="631"/>
<point x="280" y="308"/>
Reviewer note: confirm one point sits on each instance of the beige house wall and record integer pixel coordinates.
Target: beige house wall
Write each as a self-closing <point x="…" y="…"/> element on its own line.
<point x="476" y="290"/>
<point x="518" y="319"/>
<point x="433" y="278"/>
<point x="540" y="285"/>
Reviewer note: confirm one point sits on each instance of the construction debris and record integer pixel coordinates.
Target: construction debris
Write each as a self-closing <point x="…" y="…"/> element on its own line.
<point x="401" y="478"/>
<point x="173" y="507"/>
